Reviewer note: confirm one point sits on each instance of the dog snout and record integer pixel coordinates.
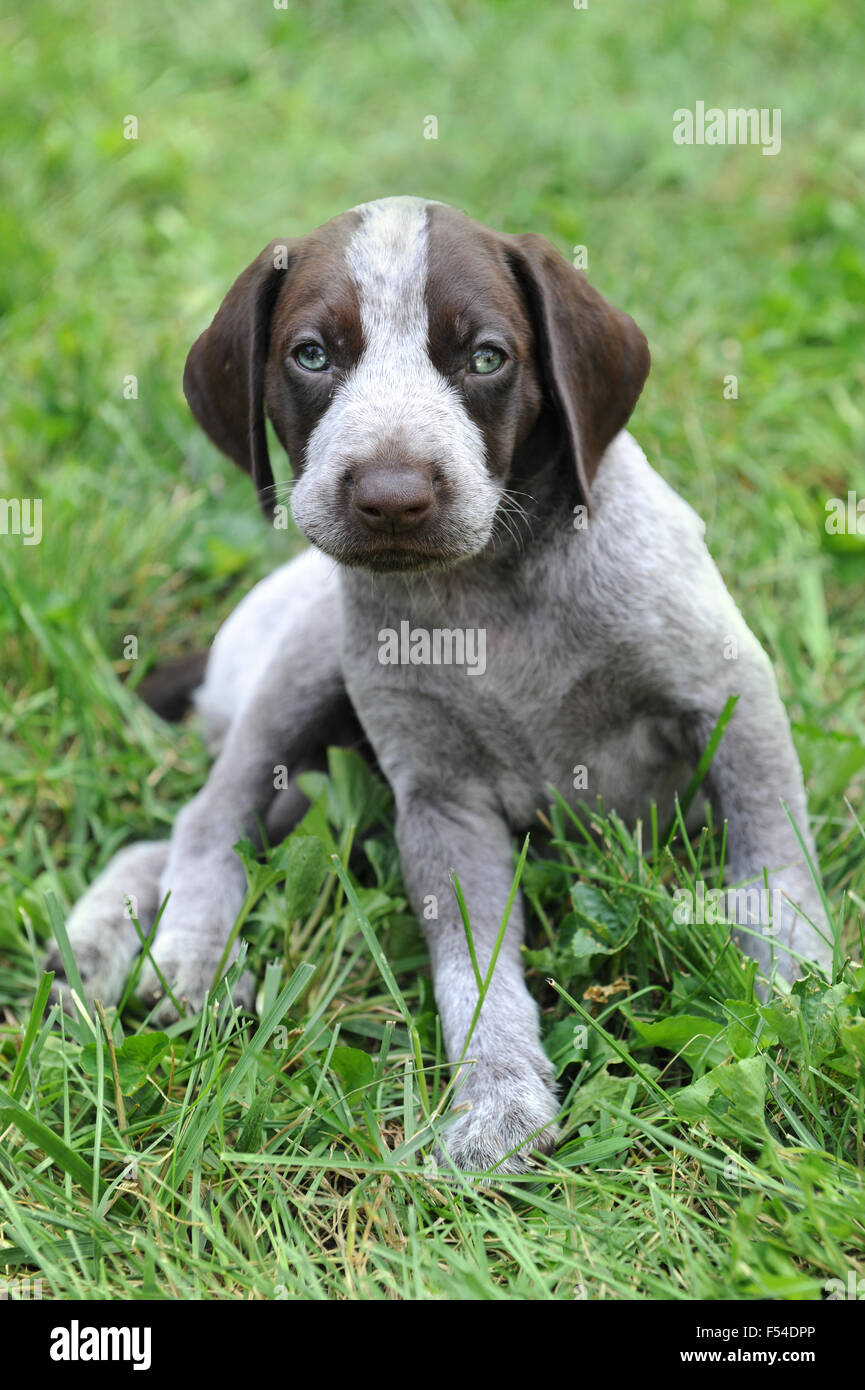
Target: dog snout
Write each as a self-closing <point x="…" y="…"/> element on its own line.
<point x="392" y="499"/>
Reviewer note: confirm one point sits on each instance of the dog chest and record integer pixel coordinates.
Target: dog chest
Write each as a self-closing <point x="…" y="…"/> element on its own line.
<point x="490" y="702"/>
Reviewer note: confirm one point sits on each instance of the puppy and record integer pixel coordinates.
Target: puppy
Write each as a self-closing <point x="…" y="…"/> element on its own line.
<point x="499" y="590"/>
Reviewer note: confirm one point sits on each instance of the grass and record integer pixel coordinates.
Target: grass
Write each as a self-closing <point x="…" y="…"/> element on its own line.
<point x="712" y="1143"/>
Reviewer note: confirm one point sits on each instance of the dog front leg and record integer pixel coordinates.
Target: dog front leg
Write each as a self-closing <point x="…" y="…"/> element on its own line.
<point x="203" y="874"/>
<point x="101" y="931"/>
<point x="505" y="1079"/>
<point x="755" y="772"/>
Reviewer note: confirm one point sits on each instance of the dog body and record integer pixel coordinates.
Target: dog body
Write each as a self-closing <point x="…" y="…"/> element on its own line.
<point x="453" y="402"/>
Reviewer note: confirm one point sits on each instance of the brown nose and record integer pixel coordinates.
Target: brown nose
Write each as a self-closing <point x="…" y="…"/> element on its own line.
<point x="392" y="499"/>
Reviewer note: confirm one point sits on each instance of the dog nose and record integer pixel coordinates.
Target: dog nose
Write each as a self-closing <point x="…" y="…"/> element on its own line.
<point x="393" y="500"/>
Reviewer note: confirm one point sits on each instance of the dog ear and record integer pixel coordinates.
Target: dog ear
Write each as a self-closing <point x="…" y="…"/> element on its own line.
<point x="224" y="376"/>
<point x="595" y="359"/>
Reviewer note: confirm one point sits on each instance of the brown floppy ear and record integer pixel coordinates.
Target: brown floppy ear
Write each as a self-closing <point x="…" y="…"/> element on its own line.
<point x="224" y="377"/>
<point x="595" y="359"/>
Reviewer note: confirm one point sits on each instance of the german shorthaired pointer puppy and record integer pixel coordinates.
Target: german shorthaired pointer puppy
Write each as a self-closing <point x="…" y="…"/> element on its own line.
<point x="453" y="401"/>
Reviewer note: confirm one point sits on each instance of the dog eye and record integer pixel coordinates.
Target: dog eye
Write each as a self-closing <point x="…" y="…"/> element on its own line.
<point x="312" y="357"/>
<point x="485" y="360"/>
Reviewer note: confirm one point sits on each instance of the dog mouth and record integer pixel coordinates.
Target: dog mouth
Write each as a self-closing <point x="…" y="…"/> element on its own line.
<point x="401" y="556"/>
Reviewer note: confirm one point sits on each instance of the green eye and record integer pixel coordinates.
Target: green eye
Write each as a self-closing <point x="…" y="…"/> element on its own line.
<point x="312" y="357"/>
<point x="487" y="359"/>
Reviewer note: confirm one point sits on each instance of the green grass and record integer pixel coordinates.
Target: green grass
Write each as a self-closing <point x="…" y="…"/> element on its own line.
<point x="712" y="1144"/>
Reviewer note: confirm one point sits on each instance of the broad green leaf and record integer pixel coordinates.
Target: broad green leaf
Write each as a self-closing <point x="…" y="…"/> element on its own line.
<point x="813" y="1011"/>
<point x="307" y="864"/>
<point x="362" y="798"/>
<point x="611" y="917"/>
<point x="351" y="793"/>
<point x="830" y="760"/>
<point x="603" y="1089"/>
<point x="852" y="1034"/>
<point x="543" y="960"/>
<point x="136" y="1059"/>
<point x="354" y="1068"/>
<point x="746" y="1023"/>
<point x="315" y="822"/>
<point x="730" y="1098"/>
<point x="701" y="1041"/>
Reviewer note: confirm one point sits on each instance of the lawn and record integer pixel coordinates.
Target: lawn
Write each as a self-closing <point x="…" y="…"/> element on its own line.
<point x="713" y="1144"/>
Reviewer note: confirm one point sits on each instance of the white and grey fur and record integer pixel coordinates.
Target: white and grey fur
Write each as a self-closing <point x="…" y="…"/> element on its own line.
<point x="606" y="647"/>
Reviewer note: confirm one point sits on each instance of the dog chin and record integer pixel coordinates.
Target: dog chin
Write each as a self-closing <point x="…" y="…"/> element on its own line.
<point x="379" y="559"/>
<point x="391" y="556"/>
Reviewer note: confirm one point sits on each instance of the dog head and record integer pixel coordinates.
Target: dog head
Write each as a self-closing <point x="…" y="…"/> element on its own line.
<point x="412" y="361"/>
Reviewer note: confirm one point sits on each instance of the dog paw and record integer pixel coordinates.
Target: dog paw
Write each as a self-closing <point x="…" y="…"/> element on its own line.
<point x="102" y="976"/>
<point x="512" y="1117"/>
<point x="102" y="935"/>
<point x="188" y="971"/>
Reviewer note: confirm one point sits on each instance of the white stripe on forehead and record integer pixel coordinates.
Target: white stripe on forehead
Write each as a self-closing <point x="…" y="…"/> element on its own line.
<point x="393" y="402"/>
<point x="387" y="260"/>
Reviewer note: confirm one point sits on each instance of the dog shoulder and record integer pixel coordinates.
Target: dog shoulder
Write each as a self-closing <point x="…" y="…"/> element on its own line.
<point x="632" y="499"/>
<point x="652" y="578"/>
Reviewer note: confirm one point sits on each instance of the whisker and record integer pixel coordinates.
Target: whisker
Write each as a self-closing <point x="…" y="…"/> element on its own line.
<point x="276" y="490"/>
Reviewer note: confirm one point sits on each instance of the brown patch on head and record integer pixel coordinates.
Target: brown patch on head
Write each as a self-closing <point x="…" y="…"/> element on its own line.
<point x="594" y="358"/>
<point x="318" y="303"/>
<point x="236" y="365"/>
<point x="473" y="299"/>
<point x="578" y="365"/>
